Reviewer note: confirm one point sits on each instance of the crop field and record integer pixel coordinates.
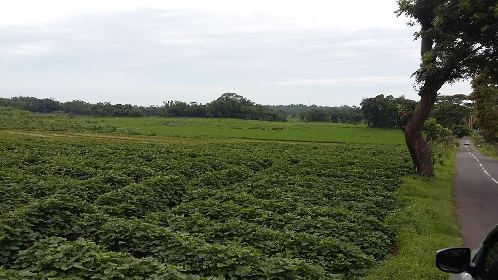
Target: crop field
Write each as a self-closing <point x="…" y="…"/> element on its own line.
<point x="114" y="209"/>
<point x="80" y="204"/>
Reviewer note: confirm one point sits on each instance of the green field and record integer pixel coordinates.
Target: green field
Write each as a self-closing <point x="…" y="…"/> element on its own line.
<point x="228" y="203"/>
<point x="179" y="198"/>
<point x="203" y="128"/>
<point x="247" y="129"/>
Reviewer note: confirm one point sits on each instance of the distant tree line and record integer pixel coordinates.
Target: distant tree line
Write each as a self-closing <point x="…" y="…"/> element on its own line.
<point x="381" y="111"/>
<point x="314" y="113"/>
<point x="229" y="105"/>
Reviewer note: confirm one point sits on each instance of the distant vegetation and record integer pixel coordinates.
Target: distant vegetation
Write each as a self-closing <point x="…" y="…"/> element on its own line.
<point x="452" y="112"/>
<point x="314" y="113"/>
<point x="229" y="105"/>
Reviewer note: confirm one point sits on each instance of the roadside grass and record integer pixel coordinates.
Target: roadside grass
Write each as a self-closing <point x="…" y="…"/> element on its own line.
<point x="425" y="223"/>
<point x="485" y="148"/>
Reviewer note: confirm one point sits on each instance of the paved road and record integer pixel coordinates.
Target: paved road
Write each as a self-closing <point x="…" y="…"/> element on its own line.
<point x="476" y="194"/>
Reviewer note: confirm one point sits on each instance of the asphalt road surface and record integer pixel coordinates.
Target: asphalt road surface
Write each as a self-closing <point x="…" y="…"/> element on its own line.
<point x="476" y="194"/>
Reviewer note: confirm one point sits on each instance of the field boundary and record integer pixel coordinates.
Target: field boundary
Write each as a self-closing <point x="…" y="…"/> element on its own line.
<point x="425" y="223"/>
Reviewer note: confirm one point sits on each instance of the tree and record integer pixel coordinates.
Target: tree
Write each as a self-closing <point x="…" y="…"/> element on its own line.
<point x="404" y="111"/>
<point x="438" y="137"/>
<point x="77" y="107"/>
<point x="434" y="131"/>
<point x="379" y="111"/>
<point x="485" y="96"/>
<point x="387" y="111"/>
<point x="452" y="110"/>
<point x="458" y="40"/>
<point x="315" y="115"/>
<point x="229" y="105"/>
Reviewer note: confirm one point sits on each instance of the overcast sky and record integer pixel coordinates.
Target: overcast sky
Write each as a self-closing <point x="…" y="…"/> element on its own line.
<point x="144" y="52"/>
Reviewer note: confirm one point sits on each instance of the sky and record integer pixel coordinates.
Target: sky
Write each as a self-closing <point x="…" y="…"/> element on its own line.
<point x="144" y="52"/>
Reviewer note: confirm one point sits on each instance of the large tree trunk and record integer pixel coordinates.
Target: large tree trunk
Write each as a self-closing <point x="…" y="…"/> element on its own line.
<point x="418" y="147"/>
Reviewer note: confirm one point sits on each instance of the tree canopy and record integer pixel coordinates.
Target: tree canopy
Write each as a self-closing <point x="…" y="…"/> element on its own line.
<point x="387" y="111"/>
<point x="459" y="38"/>
<point x="485" y="96"/>
<point x="452" y="110"/>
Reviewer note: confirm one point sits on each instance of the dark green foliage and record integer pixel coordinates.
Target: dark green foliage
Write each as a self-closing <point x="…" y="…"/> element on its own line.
<point x="315" y="115"/>
<point x="452" y="110"/>
<point x="462" y="35"/>
<point x="246" y="210"/>
<point x="32" y="104"/>
<point x="461" y="130"/>
<point x="156" y="194"/>
<point x="194" y="255"/>
<point x="439" y="138"/>
<point x="485" y="96"/>
<point x="80" y="259"/>
<point x="434" y="131"/>
<point x="387" y="111"/>
<point x="231" y="105"/>
<point x="52" y="216"/>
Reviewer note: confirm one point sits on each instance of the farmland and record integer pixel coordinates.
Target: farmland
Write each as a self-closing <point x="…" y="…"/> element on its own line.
<point x="82" y="207"/>
<point x="202" y="128"/>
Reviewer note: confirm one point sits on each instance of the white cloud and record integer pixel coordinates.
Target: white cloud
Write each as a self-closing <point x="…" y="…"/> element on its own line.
<point x="26" y="49"/>
<point x="145" y="52"/>
<point x="370" y="80"/>
<point x="310" y="14"/>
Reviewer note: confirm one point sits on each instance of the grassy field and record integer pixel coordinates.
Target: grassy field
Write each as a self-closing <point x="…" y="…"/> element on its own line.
<point x="202" y="128"/>
<point x="247" y="129"/>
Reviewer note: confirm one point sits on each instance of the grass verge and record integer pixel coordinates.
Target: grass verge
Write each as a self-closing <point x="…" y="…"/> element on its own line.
<point x="425" y="224"/>
<point x="485" y="148"/>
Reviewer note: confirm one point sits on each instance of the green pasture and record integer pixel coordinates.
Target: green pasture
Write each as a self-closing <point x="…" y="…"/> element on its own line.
<point x="249" y="129"/>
